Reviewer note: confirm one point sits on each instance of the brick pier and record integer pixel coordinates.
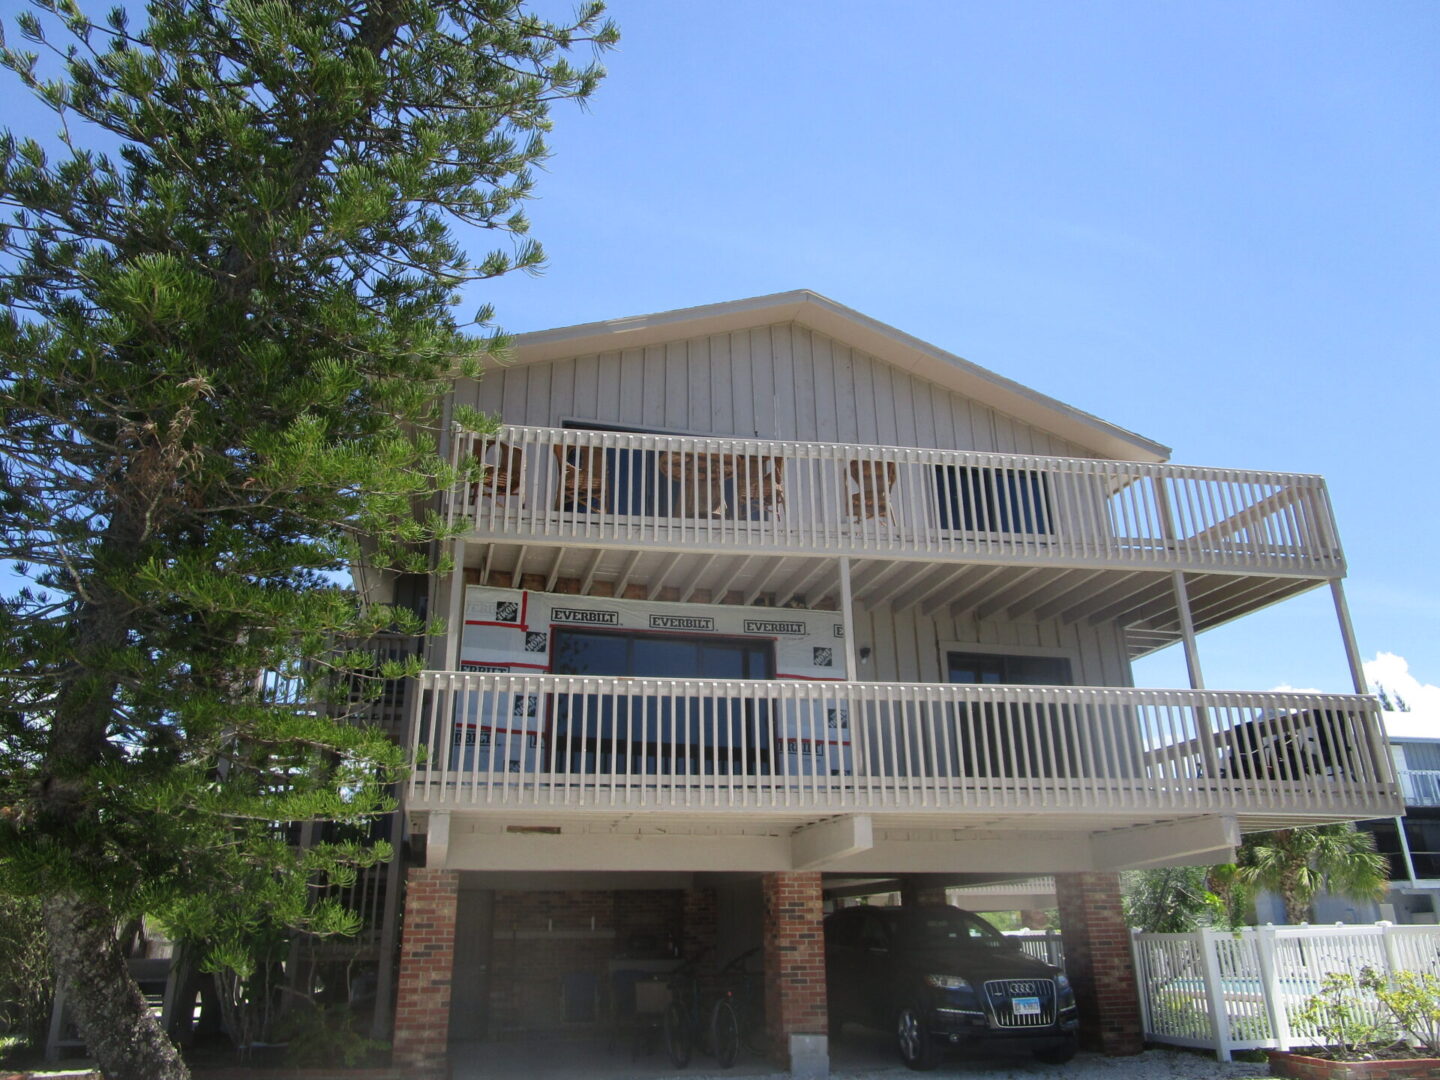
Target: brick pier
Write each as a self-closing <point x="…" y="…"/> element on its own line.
<point x="794" y="959"/>
<point x="1099" y="962"/>
<point x="427" y="960"/>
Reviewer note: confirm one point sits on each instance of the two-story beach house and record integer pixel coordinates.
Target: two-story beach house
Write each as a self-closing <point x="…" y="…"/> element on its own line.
<point x="766" y="600"/>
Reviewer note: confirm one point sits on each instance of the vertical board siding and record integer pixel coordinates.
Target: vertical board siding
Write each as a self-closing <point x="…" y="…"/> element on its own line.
<point x="773" y="382"/>
<point x="906" y="645"/>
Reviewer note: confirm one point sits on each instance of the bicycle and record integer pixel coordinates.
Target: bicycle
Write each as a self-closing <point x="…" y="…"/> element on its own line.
<point x="697" y="1018"/>
<point x="744" y="996"/>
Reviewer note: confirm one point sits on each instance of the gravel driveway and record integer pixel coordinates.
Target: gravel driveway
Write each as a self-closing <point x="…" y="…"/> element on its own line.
<point x="859" y="1057"/>
<point x="1151" y="1065"/>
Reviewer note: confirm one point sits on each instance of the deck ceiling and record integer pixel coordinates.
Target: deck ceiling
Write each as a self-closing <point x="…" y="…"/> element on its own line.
<point x="1142" y="601"/>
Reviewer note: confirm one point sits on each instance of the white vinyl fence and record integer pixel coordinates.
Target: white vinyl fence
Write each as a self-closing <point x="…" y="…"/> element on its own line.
<point x="1046" y="945"/>
<point x="1228" y="991"/>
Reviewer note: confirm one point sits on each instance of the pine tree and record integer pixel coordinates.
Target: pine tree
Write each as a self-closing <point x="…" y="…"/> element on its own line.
<point x="228" y="311"/>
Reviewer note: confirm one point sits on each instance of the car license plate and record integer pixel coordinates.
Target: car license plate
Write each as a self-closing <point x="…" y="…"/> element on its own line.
<point x="1025" y="1006"/>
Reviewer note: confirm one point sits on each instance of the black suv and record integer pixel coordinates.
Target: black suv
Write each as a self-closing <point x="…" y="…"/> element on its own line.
<point x="938" y="977"/>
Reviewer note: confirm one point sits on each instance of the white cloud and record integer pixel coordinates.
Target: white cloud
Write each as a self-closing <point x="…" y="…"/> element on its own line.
<point x="1422" y="720"/>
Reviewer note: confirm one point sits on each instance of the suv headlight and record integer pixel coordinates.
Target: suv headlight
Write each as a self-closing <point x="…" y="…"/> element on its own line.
<point x="947" y="982"/>
<point x="1064" y="993"/>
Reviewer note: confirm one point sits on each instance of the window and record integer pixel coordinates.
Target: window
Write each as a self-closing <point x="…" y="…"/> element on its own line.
<point x="1014" y="739"/>
<point x="670" y="656"/>
<point x="661" y="734"/>
<point x="986" y="668"/>
<point x="982" y="499"/>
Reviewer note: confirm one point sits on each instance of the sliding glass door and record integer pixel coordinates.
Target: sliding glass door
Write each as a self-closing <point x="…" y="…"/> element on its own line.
<point x="661" y="733"/>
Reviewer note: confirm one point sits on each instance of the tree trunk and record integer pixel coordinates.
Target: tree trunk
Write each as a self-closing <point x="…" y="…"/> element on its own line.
<point x="1297" y="907"/>
<point x="117" y="1026"/>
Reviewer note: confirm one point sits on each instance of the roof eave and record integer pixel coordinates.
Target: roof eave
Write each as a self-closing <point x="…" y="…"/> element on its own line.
<point x="853" y="328"/>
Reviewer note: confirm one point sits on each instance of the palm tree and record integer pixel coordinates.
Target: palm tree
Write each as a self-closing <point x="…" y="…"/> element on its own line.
<point x="1298" y="863"/>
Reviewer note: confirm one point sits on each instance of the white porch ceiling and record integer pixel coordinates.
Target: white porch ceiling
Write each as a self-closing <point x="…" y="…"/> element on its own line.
<point x="1142" y="601"/>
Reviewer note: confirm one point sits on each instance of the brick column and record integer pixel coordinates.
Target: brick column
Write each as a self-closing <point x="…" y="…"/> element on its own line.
<point x="698" y="927"/>
<point x="427" y="958"/>
<point x="1099" y="962"/>
<point x="794" y="959"/>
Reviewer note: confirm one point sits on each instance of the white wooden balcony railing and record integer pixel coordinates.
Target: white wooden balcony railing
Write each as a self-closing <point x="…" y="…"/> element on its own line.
<point x="563" y="486"/>
<point x="561" y="741"/>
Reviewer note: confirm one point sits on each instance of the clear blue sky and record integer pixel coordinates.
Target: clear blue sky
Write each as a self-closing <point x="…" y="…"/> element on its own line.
<point x="1216" y="224"/>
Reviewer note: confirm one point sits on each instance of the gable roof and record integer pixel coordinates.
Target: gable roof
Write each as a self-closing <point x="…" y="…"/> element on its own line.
<point x="846" y="325"/>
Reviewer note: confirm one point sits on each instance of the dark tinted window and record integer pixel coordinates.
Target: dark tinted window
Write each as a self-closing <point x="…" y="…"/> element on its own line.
<point x="842" y="929"/>
<point x="927" y="927"/>
<point x="981" y="499"/>
<point x="593" y="652"/>
<point x="981" y="668"/>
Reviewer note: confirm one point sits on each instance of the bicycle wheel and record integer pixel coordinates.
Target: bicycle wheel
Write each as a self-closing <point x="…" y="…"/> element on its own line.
<point x="724" y="1033"/>
<point x="676" y="1027"/>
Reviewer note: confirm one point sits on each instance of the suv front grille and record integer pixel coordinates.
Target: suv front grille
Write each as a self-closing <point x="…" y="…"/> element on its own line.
<point x="1001" y="995"/>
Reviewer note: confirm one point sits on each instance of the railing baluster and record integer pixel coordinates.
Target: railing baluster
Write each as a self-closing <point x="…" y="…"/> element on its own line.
<point x="574" y="484"/>
<point x="716" y="745"/>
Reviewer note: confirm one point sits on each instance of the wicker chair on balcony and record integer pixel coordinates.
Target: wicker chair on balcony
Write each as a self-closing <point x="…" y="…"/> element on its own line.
<point x="502" y="477"/>
<point x="581" y="488"/>
<point x="759" y="485"/>
<point x="873" y="479"/>
<point x="701" y="478"/>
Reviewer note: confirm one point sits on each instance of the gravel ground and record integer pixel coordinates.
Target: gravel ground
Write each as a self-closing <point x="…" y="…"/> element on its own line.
<point x="861" y="1056"/>
<point x="1151" y="1065"/>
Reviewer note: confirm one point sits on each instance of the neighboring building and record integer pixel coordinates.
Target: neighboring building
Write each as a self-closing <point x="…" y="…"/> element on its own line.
<point x="1410" y="842"/>
<point x="766" y="597"/>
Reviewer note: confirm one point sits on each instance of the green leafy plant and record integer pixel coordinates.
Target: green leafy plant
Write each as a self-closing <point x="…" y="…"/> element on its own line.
<point x="1345" y="1014"/>
<point x="326" y="1034"/>
<point x="25" y="979"/>
<point x="1413" y="999"/>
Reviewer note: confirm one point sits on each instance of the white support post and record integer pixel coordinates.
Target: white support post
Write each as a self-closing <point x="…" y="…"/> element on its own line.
<point x="1347" y="634"/>
<point x="1215" y="994"/>
<point x="455" y="617"/>
<point x="1391" y="949"/>
<point x="1197" y="677"/>
<point x="847" y="619"/>
<point x="1138" y="962"/>
<point x="1187" y="631"/>
<point x="437" y="840"/>
<point x="1275" y="1009"/>
<point x="1384" y="766"/>
<point x="1405" y="849"/>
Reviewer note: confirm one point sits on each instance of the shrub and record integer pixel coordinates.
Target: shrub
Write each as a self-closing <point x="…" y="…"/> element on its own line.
<point x="1345" y="1014"/>
<point x="25" y="980"/>
<point x="325" y="1034"/>
<point x="1413" y="999"/>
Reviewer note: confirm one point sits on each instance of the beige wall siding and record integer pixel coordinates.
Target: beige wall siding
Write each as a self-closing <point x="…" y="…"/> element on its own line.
<point x="906" y="645"/>
<point x="780" y="382"/>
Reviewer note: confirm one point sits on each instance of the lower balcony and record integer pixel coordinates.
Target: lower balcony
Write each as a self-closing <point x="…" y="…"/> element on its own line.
<point x="801" y="751"/>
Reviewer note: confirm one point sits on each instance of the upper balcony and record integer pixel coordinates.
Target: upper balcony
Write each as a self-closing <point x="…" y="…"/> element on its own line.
<point x="995" y="534"/>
